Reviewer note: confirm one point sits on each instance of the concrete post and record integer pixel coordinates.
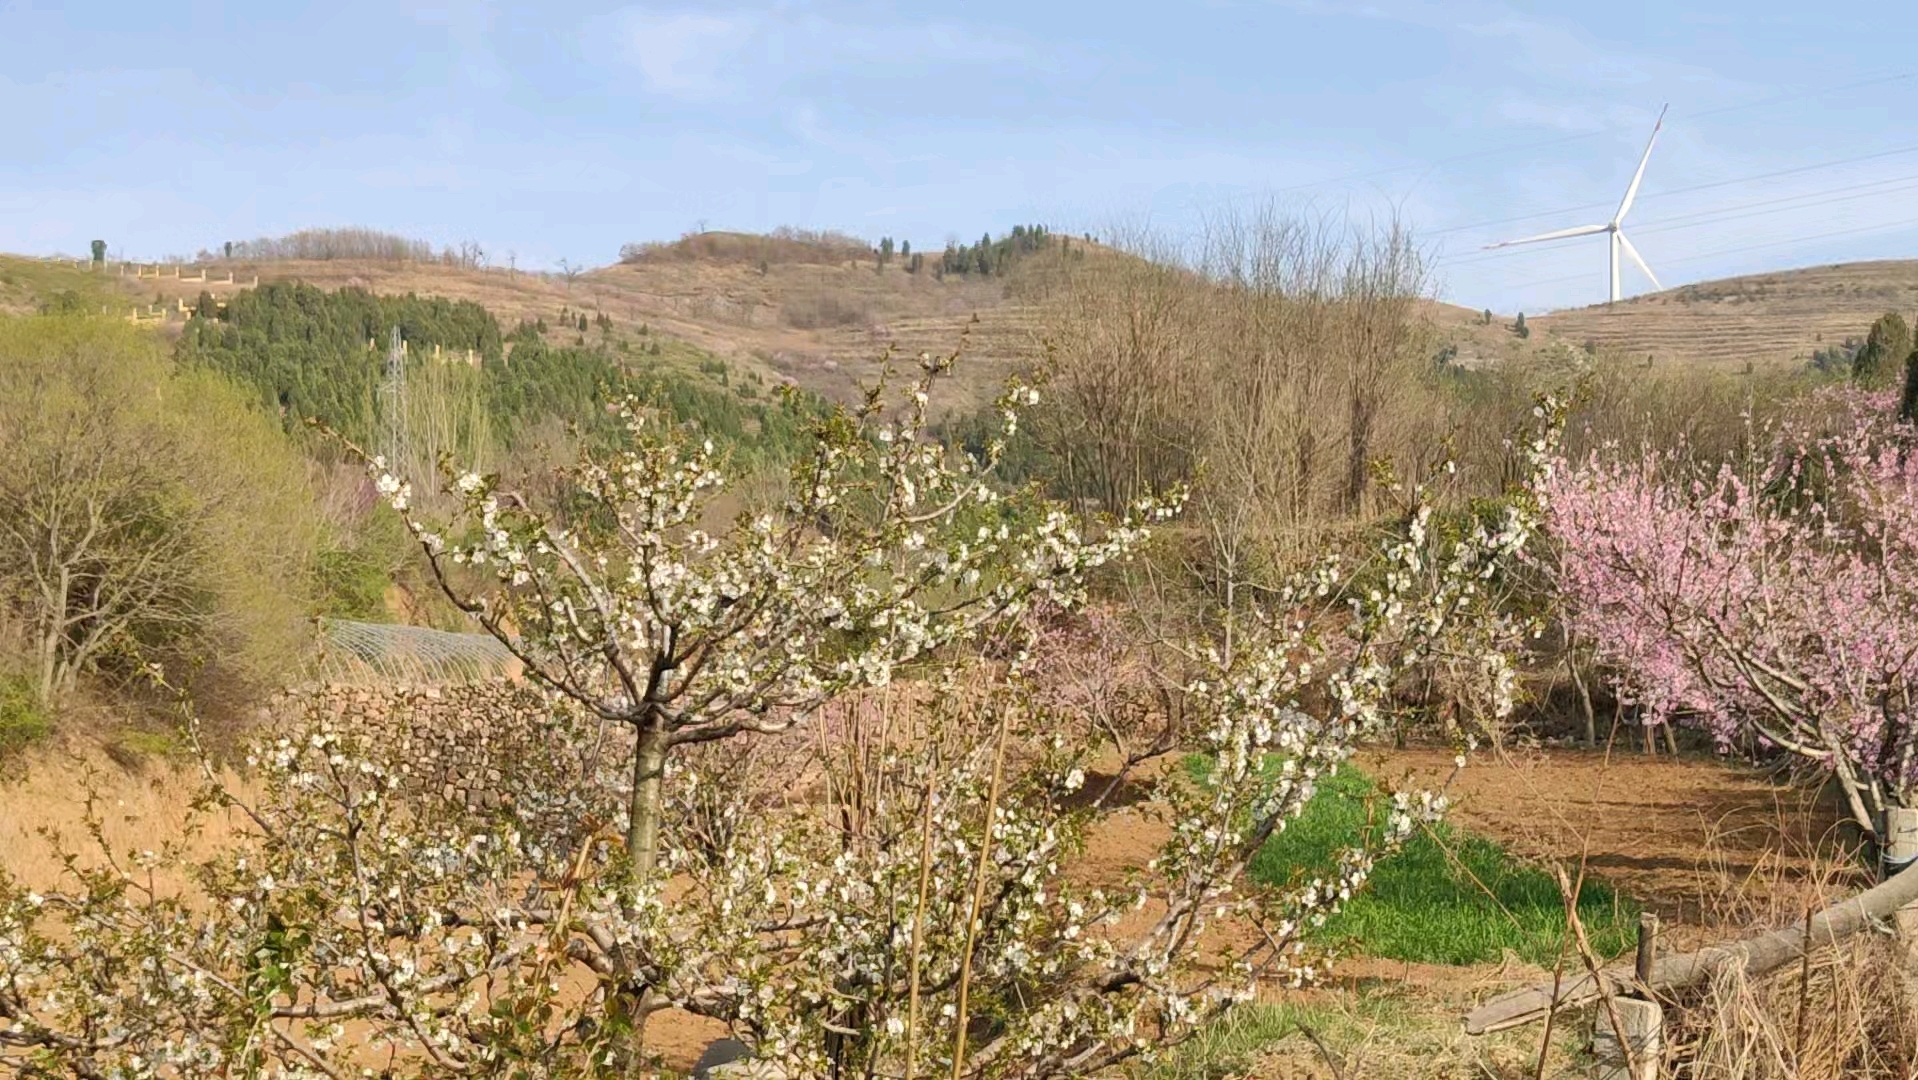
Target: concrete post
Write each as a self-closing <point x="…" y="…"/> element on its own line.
<point x="1644" y="1026"/>
<point x="1898" y="851"/>
<point x="1899" y="847"/>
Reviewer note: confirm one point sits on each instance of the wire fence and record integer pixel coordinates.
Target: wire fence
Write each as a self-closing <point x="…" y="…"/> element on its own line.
<point x="383" y="653"/>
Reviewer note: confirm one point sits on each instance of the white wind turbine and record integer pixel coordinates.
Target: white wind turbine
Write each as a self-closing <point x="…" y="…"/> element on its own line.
<point x="1613" y="226"/>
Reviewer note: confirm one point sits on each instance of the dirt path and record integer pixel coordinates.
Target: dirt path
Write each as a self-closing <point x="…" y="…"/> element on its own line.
<point x="1705" y="844"/>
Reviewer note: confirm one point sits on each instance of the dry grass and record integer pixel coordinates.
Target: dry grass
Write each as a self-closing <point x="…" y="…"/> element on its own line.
<point x="724" y="307"/>
<point x="1760" y="319"/>
<point x="782" y="245"/>
<point x="1850" y="1012"/>
<point x="820" y="310"/>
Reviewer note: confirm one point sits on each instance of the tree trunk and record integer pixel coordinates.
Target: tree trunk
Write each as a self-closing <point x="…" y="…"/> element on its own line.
<point x="1854" y="800"/>
<point x="1584" y="692"/>
<point x="1358" y="459"/>
<point x="50" y="640"/>
<point x="49" y="666"/>
<point x="643" y="811"/>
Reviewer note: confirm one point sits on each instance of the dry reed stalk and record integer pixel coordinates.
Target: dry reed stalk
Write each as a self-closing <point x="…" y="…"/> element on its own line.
<point x="919" y="928"/>
<point x="978" y="895"/>
<point x="1593" y="966"/>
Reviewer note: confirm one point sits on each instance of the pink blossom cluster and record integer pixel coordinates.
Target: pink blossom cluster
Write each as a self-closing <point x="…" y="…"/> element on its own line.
<point x="1772" y="600"/>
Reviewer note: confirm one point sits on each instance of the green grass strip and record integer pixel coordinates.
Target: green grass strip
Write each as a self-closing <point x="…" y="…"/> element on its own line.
<point x="1447" y="897"/>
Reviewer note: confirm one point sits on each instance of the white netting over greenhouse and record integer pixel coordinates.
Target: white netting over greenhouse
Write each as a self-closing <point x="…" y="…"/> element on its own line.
<point x="358" y="652"/>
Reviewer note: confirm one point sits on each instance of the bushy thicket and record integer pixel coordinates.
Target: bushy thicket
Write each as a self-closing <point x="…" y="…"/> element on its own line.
<point x="148" y="513"/>
<point x="346" y="243"/>
<point x="782" y="245"/>
<point x="1882" y="360"/>
<point x="312" y="354"/>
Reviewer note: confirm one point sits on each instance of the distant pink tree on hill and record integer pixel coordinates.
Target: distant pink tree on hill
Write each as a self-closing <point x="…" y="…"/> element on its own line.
<point x="1772" y="600"/>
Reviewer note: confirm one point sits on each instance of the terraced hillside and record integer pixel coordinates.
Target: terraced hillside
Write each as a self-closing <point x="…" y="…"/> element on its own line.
<point x="825" y="323"/>
<point x="822" y="326"/>
<point x="1762" y="319"/>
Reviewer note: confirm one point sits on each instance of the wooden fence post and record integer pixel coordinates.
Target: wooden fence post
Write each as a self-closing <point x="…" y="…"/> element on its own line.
<point x="1640" y="1018"/>
<point x="1643" y="1023"/>
<point x="1647" y="950"/>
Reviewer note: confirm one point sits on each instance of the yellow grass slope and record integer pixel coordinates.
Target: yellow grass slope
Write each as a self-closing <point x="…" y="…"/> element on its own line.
<point x="823" y="319"/>
<point x="1761" y="319"/>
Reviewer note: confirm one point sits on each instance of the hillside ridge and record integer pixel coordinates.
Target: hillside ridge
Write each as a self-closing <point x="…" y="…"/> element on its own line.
<point x="1765" y="319"/>
<point x="827" y="321"/>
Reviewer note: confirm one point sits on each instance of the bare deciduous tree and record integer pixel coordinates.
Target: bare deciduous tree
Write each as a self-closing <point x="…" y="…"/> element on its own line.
<point x="1271" y="368"/>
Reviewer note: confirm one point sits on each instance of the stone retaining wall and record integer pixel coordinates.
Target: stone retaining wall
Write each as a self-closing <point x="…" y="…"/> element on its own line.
<point x="456" y="741"/>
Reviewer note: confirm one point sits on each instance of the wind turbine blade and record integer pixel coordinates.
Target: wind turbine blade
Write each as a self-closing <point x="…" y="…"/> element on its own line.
<point x="1582" y="230"/>
<point x="1633" y="252"/>
<point x="1639" y="176"/>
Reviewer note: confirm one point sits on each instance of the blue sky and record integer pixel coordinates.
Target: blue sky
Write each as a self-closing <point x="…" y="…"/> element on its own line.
<point x="560" y="130"/>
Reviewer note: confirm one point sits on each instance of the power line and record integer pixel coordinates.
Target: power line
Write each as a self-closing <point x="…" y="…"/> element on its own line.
<point x="1730" y="213"/>
<point x="1710" y="217"/>
<point x="1876" y="227"/>
<point x="1795" y="170"/>
<point x="393" y="432"/>
<point x="1879" y="80"/>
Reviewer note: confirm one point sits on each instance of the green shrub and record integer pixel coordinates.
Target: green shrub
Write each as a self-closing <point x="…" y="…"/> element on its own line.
<point x="152" y="514"/>
<point x="23" y="720"/>
<point x="1881" y="361"/>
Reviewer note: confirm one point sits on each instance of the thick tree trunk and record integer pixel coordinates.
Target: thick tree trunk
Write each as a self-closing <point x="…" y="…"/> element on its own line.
<point x="643" y="811"/>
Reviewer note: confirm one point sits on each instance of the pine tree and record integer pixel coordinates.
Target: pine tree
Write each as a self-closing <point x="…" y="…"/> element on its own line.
<point x="1519" y="327"/>
<point x="99" y="253"/>
<point x="1877" y="363"/>
<point x="885" y="251"/>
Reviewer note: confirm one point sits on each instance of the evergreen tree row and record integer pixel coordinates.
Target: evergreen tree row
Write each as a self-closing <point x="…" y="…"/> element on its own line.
<point x="988" y="256"/>
<point x="313" y="354"/>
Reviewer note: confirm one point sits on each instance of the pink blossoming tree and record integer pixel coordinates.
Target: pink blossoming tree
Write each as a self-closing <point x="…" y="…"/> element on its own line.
<point x="1772" y="600"/>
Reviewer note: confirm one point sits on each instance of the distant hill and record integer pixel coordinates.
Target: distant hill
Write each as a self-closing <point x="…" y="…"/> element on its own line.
<point x="816" y="311"/>
<point x="813" y="311"/>
<point x="1762" y="319"/>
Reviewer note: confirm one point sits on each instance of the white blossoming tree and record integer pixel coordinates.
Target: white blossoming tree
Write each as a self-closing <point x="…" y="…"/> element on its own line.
<point x="896" y="896"/>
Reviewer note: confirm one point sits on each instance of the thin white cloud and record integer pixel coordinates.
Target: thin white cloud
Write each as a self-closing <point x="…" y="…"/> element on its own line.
<point x="685" y="55"/>
<point x="708" y="56"/>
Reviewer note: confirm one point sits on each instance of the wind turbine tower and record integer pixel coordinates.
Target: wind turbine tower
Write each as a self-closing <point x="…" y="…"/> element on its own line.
<point x="1614" y="229"/>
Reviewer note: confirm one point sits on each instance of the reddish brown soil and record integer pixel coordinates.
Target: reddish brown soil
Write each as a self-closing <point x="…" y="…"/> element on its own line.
<point x="1712" y="848"/>
<point x="1705" y="844"/>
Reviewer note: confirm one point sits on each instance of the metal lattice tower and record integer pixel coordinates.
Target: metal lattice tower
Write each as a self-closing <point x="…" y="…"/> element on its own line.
<point x="393" y="404"/>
